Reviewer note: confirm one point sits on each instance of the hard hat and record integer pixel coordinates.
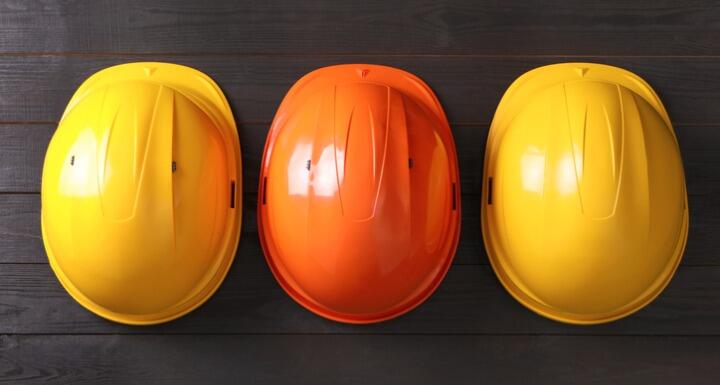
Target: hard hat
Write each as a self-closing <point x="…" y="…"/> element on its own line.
<point x="140" y="215"/>
<point x="584" y="210"/>
<point x="359" y="209"/>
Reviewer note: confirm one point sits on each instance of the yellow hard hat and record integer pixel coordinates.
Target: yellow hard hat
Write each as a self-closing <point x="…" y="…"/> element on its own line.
<point x="584" y="210"/>
<point x="140" y="218"/>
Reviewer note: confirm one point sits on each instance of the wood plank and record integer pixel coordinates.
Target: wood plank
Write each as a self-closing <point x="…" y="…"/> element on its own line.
<point x="20" y="239"/>
<point x="37" y="88"/>
<point x="470" y="300"/>
<point x="360" y="359"/>
<point x="23" y="146"/>
<point x="371" y="27"/>
<point x="22" y="152"/>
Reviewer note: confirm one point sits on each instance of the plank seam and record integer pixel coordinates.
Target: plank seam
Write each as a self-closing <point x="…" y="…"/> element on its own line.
<point x="379" y="334"/>
<point x="346" y="54"/>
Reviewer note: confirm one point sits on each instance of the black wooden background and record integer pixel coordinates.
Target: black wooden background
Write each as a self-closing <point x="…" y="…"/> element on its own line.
<point x="471" y="330"/>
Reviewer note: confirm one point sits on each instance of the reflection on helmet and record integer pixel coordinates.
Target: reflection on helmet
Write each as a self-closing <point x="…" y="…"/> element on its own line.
<point x="139" y="214"/>
<point x="584" y="211"/>
<point x="359" y="203"/>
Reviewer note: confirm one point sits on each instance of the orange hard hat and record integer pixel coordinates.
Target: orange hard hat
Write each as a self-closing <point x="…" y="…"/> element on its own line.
<point x="358" y="207"/>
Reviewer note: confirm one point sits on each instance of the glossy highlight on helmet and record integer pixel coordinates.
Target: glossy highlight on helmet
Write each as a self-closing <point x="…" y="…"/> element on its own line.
<point x="140" y="186"/>
<point x="358" y="207"/>
<point x="584" y="209"/>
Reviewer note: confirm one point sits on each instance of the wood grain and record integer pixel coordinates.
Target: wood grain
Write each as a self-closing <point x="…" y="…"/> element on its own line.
<point x="37" y="88"/>
<point x="470" y="300"/>
<point x="20" y="239"/>
<point x="21" y="242"/>
<point x="315" y="27"/>
<point x="250" y="331"/>
<point x="23" y="146"/>
<point x="359" y="359"/>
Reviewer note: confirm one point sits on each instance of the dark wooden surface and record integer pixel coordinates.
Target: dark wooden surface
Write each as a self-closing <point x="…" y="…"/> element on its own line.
<point x="470" y="331"/>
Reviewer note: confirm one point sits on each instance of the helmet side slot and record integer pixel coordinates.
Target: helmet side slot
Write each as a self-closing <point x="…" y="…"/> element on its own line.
<point x="489" y="190"/>
<point x="454" y="197"/>
<point x="264" y="189"/>
<point x="232" y="194"/>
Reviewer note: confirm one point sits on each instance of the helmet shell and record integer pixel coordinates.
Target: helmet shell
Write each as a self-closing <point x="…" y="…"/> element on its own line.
<point x="359" y="210"/>
<point x="584" y="210"/>
<point x="139" y="186"/>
